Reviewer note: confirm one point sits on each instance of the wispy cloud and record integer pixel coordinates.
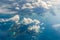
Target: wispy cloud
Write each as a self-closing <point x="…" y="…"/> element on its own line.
<point x="56" y="25"/>
<point x="4" y="9"/>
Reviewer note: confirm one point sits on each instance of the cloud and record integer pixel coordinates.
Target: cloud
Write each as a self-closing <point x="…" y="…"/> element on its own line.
<point x="27" y="25"/>
<point x="38" y="3"/>
<point x="56" y="25"/>
<point x="35" y="24"/>
<point x="36" y="21"/>
<point x="15" y="18"/>
<point x="27" y="6"/>
<point x="38" y="7"/>
<point x="29" y="21"/>
<point x="55" y="2"/>
<point x="5" y="9"/>
<point x="34" y="28"/>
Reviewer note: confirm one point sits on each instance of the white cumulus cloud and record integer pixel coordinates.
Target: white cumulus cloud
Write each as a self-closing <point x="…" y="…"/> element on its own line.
<point x="35" y="24"/>
<point x="29" y="21"/>
<point x="16" y="19"/>
<point x="34" y="28"/>
<point x="38" y="3"/>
